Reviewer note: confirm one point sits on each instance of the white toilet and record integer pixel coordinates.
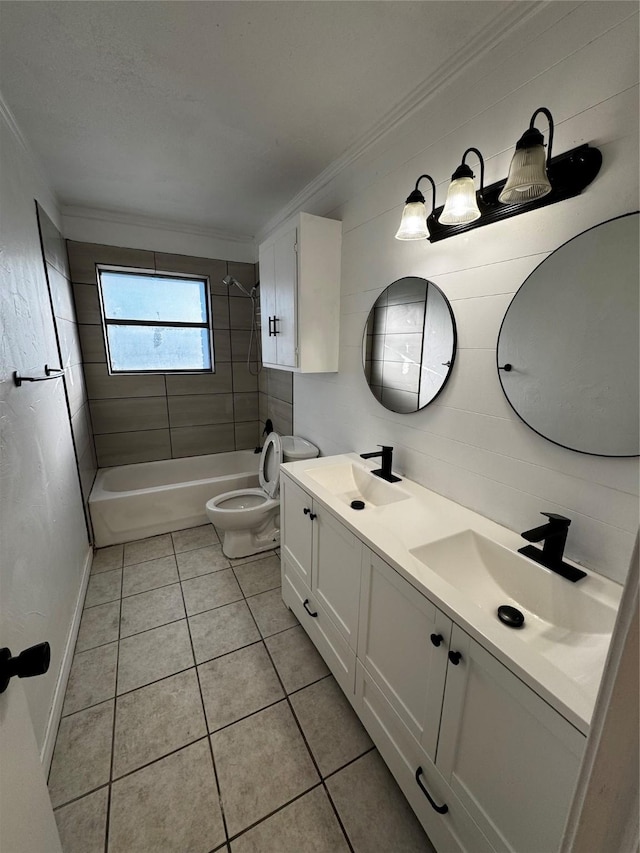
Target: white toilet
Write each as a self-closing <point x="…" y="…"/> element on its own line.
<point x="250" y="518"/>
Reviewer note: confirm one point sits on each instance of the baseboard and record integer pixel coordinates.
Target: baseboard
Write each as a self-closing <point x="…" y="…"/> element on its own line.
<point x="46" y="753"/>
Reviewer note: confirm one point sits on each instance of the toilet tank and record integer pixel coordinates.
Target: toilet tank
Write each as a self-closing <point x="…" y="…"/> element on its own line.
<point x="294" y="448"/>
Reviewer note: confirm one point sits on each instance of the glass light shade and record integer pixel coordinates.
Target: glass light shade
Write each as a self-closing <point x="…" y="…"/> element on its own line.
<point x="413" y="225"/>
<point x="461" y="205"/>
<point x="527" y="178"/>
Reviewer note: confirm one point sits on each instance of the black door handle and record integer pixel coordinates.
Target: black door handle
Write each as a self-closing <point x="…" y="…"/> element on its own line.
<point x="440" y="809"/>
<point x="305" y="604"/>
<point x="270" y="329"/>
<point x="455" y="657"/>
<point x="32" y="661"/>
<point x="436" y="639"/>
<point x="276" y="331"/>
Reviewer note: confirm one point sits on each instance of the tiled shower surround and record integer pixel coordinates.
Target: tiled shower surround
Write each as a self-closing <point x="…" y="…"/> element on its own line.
<point x="199" y="717"/>
<point x="140" y="418"/>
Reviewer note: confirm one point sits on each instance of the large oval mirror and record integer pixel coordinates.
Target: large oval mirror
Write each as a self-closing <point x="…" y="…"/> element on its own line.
<point x="570" y="336"/>
<point x="409" y="345"/>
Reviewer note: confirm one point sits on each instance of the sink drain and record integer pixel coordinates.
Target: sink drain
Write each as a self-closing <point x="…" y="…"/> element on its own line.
<point x="510" y="616"/>
<point x="357" y="504"/>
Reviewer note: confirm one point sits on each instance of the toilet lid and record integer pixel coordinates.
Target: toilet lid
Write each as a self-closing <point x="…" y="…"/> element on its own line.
<point x="270" y="460"/>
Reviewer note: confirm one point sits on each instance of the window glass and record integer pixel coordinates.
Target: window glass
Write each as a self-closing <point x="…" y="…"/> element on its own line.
<point x="155" y="323"/>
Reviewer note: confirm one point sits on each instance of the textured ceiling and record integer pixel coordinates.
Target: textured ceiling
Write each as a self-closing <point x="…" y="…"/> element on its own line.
<point x="213" y="113"/>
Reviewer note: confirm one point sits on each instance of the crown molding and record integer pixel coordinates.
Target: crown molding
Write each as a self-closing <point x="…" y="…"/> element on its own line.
<point x="514" y="15"/>
<point x="121" y="217"/>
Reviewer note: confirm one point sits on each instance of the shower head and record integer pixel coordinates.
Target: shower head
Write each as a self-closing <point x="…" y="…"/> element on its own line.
<point x="229" y="280"/>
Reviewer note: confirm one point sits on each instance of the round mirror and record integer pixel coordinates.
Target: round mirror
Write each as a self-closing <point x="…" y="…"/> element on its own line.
<point x="409" y="345"/>
<point x="570" y="336"/>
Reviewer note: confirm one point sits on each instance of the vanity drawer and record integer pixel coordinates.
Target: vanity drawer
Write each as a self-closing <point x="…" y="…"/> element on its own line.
<point x="453" y="832"/>
<point x="328" y="640"/>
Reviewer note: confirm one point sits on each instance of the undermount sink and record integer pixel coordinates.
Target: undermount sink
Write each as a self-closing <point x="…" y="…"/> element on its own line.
<point x="350" y="482"/>
<point x="556" y="611"/>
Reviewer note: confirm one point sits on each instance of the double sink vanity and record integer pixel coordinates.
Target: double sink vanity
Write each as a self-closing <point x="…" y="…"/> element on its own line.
<point x="482" y="724"/>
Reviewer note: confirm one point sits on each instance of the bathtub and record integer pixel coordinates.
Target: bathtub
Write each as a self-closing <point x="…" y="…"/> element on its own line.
<point x="135" y="501"/>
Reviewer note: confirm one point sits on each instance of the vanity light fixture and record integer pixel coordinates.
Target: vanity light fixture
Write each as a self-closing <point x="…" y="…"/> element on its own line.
<point x="528" y="177"/>
<point x="461" y="205"/>
<point x="534" y="181"/>
<point x="413" y="225"/>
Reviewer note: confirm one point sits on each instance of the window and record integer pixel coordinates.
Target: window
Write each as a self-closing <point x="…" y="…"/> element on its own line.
<point x="155" y="323"/>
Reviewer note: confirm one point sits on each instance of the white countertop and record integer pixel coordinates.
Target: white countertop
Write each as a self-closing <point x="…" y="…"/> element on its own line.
<point x="564" y="670"/>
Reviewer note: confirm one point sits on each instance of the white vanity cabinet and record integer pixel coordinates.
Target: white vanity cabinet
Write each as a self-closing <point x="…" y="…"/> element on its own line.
<point x="321" y="568"/>
<point x="300" y="295"/>
<point x="487" y="765"/>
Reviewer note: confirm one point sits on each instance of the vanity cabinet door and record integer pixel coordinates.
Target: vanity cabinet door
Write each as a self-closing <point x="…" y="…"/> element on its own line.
<point x="403" y="643"/>
<point x="337" y="559"/>
<point x="296" y="525"/>
<point x="509" y="757"/>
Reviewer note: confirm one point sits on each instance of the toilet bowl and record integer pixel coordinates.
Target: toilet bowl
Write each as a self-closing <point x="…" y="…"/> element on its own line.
<point x="250" y="518"/>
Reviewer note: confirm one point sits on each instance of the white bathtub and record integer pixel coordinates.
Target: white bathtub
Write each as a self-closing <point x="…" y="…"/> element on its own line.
<point x="134" y="501"/>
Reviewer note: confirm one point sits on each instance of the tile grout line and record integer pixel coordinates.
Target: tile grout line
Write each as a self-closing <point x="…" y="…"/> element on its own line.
<point x="304" y="739"/>
<point x="113" y="731"/>
<point x="206" y="724"/>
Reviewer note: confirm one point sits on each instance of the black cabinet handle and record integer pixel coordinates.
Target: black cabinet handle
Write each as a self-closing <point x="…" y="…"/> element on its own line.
<point x="305" y="604"/>
<point x="312" y="515"/>
<point x="440" y="809"/>
<point x="436" y="639"/>
<point x="455" y="657"/>
<point x="276" y="331"/>
<point x="306" y="510"/>
<point x="32" y="661"/>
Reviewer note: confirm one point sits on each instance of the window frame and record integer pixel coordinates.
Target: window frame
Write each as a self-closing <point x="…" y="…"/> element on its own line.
<point x="140" y="272"/>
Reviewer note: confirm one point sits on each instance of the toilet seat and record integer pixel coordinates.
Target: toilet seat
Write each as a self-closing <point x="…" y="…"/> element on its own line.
<point x="269" y="473"/>
<point x="241" y="499"/>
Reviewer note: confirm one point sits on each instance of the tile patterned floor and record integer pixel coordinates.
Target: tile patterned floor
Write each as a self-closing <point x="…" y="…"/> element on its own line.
<point x="199" y="717"/>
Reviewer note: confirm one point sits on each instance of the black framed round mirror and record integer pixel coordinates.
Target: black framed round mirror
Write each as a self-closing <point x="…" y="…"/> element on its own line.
<point x="568" y="346"/>
<point x="409" y="345"/>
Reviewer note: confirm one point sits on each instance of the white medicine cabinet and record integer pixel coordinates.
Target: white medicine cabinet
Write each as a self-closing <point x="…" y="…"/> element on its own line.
<point x="300" y="295"/>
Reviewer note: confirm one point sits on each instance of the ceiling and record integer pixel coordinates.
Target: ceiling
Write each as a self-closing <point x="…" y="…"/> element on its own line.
<point x="215" y="114"/>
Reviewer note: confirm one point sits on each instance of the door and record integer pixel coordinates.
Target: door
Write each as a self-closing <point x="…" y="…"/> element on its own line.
<point x="403" y="645"/>
<point x="337" y="569"/>
<point x="296" y="511"/>
<point x="285" y="318"/>
<point x="510" y="758"/>
<point x="27" y="824"/>
<point x="268" y="302"/>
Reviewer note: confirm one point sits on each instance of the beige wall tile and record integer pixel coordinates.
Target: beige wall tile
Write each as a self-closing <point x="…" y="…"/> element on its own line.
<point x="245" y="407"/>
<point x="200" y="409"/>
<point x="195" y="440"/>
<point x="61" y="294"/>
<point x="240" y="312"/>
<point x="263" y="407"/>
<point x="243" y="379"/>
<point x="92" y="343"/>
<point x="124" y="448"/>
<point x="53" y="245"/>
<point x="263" y="384"/>
<point x="129" y="414"/>
<point x="220" y="311"/>
<point x="282" y="416"/>
<point x="83" y="258"/>
<point x="205" y="383"/>
<point x="245" y="273"/>
<point x="221" y="346"/>
<point x="240" y="340"/>
<point x="87" y="304"/>
<point x="247" y="435"/>
<point x="101" y="385"/>
<point x="281" y="385"/>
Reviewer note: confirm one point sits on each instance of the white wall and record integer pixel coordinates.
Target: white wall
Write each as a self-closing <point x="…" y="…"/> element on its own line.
<point x="581" y="61"/>
<point x="43" y="537"/>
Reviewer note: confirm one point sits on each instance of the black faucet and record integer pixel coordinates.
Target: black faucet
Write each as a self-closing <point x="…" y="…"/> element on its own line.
<point x="385" y="472"/>
<point x="554" y="534"/>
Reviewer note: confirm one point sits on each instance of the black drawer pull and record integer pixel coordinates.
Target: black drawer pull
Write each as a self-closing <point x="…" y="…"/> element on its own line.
<point x="455" y="658"/>
<point x="305" y="604"/>
<point x="306" y="510"/>
<point x="440" y="809"/>
<point x="436" y="639"/>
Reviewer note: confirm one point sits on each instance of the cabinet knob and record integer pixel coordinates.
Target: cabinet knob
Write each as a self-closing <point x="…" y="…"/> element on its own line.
<point x="436" y="639"/>
<point x="455" y="657"/>
<point x="32" y="661"/>
<point x="305" y="604"/>
<point x="443" y="809"/>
